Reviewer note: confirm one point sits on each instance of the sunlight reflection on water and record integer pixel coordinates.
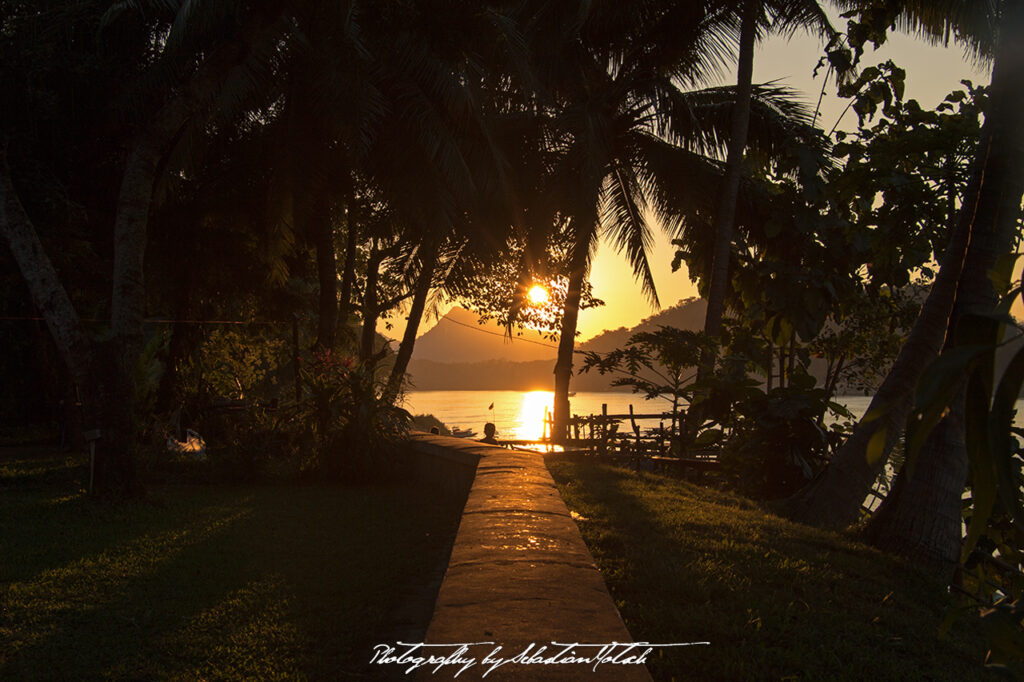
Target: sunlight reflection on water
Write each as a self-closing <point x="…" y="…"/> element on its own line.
<point x="535" y="405"/>
<point x="520" y="415"/>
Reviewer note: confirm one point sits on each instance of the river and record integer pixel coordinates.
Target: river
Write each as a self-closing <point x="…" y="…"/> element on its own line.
<point x="519" y="415"/>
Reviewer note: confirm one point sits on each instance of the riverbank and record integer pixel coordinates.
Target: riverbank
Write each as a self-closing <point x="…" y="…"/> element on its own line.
<point x="776" y="600"/>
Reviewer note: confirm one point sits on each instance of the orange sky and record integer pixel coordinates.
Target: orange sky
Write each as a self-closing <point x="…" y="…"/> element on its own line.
<point x="932" y="72"/>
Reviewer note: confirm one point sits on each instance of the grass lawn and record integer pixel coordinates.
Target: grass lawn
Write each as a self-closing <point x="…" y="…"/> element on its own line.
<point x="208" y="582"/>
<point x="777" y="601"/>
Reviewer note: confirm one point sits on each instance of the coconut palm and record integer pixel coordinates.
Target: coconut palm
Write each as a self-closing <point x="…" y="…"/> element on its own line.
<point x="757" y="17"/>
<point x="626" y="129"/>
<point x="921" y="518"/>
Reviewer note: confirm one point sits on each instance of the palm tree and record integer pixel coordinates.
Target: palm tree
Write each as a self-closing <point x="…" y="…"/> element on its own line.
<point x="626" y="131"/>
<point x="785" y="16"/>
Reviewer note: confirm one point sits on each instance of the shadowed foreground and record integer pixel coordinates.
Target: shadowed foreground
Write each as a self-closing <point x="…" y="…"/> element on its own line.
<point x="775" y="599"/>
<point x="205" y="582"/>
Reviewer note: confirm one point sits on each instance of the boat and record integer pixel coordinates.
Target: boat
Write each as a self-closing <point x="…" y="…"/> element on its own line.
<point x="463" y="433"/>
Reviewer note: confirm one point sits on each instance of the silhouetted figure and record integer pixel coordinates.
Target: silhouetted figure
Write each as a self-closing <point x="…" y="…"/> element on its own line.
<point x="489" y="431"/>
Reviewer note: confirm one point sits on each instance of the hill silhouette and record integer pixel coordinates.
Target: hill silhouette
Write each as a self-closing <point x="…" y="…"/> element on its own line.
<point x="458" y="337"/>
<point x="486" y="359"/>
<point x="686" y="314"/>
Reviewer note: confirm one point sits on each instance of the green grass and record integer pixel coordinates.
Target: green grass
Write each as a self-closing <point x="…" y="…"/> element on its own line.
<point x="205" y="582"/>
<point x="777" y="601"/>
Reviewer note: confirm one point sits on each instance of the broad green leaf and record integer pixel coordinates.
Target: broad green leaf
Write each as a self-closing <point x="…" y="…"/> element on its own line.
<point x="983" y="475"/>
<point x="1002" y="625"/>
<point x="984" y="329"/>
<point x="874" y="413"/>
<point x="876" y="445"/>
<point x="999" y="436"/>
<point x="935" y="392"/>
<point x="709" y="437"/>
<point x="1002" y="274"/>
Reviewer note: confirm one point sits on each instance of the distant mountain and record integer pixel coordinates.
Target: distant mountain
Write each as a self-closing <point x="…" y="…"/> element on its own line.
<point x="487" y="360"/>
<point x="686" y="314"/>
<point x="490" y="362"/>
<point x="458" y="337"/>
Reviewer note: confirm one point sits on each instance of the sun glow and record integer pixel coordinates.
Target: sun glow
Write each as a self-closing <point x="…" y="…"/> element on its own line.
<point x="535" y="405"/>
<point x="538" y="295"/>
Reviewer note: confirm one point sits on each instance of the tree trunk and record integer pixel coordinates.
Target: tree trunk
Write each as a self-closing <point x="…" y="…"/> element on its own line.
<point x="97" y="368"/>
<point x="182" y="333"/>
<point x="834" y="498"/>
<point x="419" y="302"/>
<point x="327" y="269"/>
<point x="41" y="278"/>
<point x="106" y="371"/>
<point x="567" y="337"/>
<point x="921" y="518"/>
<point x="348" y="273"/>
<point x="370" y="306"/>
<point x="726" y="215"/>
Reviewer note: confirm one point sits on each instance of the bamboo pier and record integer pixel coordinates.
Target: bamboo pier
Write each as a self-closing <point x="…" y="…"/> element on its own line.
<point x="621" y="438"/>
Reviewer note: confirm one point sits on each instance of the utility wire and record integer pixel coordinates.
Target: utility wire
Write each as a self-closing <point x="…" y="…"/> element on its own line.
<point x="487" y="331"/>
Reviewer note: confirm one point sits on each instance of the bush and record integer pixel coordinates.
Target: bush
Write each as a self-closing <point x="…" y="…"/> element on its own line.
<point x="780" y="440"/>
<point x="357" y="431"/>
<point x="424" y="422"/>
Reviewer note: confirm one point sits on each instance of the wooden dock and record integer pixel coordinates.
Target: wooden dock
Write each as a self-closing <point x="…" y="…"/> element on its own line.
<point x="622" y="439"/>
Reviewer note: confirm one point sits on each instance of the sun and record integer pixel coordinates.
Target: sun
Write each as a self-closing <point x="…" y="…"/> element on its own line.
<point x="538" y="295"/>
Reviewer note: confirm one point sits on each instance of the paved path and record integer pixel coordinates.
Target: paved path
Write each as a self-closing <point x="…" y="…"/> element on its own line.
<point x="520" y="574"/>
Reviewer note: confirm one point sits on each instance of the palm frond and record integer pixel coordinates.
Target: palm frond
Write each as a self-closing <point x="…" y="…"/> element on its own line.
<point x="789" y="16"/>
<point x="700" y="120"/>
<point x="974" y="24"/>
<point x="623" y="221"/>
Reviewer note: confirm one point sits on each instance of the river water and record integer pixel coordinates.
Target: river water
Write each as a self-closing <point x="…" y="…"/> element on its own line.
<point x="519" y="415"/>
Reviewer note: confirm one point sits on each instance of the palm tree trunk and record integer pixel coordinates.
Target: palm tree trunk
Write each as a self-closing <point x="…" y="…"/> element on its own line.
<point x="567" y="338"/>
<point x="921" y="518"/>
<point x="726" y="215"/>
<point x="183" y="335"/>
<point x="370" y="306"/>
<point x="419" y="303"/>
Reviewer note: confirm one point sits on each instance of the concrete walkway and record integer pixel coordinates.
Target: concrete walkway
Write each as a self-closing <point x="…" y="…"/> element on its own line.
<point x="520" y="574"/>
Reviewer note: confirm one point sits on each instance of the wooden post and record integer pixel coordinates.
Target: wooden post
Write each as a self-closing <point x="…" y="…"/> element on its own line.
<point x="632" y="422"/>
<point x="91" y="437"/>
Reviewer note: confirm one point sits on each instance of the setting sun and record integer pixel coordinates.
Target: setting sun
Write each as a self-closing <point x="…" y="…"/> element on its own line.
<point x="538" y="295"/>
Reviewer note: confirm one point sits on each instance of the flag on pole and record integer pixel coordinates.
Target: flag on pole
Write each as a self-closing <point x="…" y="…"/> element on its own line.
<point x="491" y="406"/>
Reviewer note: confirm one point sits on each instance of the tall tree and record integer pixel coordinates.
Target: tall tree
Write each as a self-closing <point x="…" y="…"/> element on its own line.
<point x="921" y="517"/>
<point x="105" y="369"/>
<point x="754" y="14"/>
<point x="835" y="497"/>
